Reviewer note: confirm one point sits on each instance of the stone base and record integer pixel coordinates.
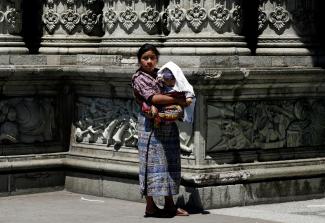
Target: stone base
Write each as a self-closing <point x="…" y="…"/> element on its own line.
<point x="218" y="196"/>
<point x="31" y="182"/>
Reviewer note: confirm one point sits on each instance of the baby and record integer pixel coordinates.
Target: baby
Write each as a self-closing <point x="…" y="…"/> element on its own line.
<point x="167" y="81"/>
<point x="172" y="82"/>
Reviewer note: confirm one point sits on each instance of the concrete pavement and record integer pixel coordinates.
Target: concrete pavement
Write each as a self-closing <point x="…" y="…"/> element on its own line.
<point x="67" y="207"/>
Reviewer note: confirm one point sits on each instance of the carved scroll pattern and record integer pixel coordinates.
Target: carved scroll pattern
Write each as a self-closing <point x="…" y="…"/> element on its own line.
<point x="27" y="120"/>
<point x="265" y="125"/>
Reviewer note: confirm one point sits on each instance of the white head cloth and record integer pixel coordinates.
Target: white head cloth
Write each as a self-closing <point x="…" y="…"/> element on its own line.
<point x="181" y="85"/>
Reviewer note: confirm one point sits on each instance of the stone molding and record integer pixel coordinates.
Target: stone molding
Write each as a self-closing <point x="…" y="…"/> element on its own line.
<point x="195" y="176"/>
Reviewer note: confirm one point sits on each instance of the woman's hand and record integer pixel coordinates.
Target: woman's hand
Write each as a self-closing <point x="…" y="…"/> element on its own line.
<point x="181" y="102"/>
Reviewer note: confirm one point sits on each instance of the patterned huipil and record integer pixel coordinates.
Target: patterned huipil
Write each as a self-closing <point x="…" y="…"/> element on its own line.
<point x="159" y="148"/>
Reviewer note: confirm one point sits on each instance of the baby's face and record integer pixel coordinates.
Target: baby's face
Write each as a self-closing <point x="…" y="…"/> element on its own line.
<point x="170" y="83"/>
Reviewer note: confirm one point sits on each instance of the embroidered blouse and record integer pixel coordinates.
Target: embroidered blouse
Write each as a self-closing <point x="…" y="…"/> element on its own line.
<point x="144" y="86"/>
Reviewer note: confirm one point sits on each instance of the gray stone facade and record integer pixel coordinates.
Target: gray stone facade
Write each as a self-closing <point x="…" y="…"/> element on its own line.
<point x="68" y="118"/>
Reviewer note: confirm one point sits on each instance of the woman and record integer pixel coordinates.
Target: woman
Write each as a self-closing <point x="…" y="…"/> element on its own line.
<point x="159" y="148"/>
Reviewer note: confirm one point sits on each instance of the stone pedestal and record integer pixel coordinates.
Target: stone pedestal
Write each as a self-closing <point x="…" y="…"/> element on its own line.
<point x="129" y="24"/>
<point x="287" y="27"/>
<point x="205" y="28"/>
<point x="11" y="40"/>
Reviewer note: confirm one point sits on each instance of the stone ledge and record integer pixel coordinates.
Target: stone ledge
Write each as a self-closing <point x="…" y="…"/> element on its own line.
<point x="184" y="58"/>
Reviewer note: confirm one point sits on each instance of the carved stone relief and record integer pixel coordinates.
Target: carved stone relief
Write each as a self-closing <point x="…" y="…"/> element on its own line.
<point x="10" y="17"/>
<point x="219" y="16"/>
<point x="71" y="15"/>
<point x="113" y="122"/>
<point x="110" y="122"/>
<point x="279" y="17"/>
<point x="265" y="125"/>
<point x="196" y="16"/>
<point x="27" y="120"/>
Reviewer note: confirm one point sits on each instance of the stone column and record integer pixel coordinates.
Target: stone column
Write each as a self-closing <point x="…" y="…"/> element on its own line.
<point x="11" y="40"/>
<point x="128" y="24"/>
<point x="71" y="26"/>
<point x="287" y="27"/>
<point x="210" y="27"/>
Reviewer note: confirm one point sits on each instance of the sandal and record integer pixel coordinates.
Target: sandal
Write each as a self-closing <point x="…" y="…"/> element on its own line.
<point x="177" y="212"/>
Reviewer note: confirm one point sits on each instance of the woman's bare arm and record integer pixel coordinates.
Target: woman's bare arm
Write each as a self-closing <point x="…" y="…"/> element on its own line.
<point x="160" y="99"/>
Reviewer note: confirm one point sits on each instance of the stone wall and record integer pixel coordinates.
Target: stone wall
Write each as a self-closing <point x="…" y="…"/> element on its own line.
<point x="67" y="109"/>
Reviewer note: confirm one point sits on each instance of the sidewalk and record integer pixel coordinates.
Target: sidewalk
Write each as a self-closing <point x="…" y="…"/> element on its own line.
<point x="67" y="207"/>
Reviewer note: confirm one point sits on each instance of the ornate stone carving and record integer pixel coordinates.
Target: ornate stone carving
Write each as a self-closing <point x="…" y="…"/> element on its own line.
<point x="177" y="17"/>
<point x="26" y="120"/>
<point x="279" y="18"/>
<point x="89" y="20"/>
<point x="219" y="15"/>
<point x="261" y="20"/>
<point x="13" y="19"/>
<point x="110" y="19"/>
<point x="265" y="125"/>
<point x="196" y="17"/>
<point x="70" y="18"/>
<point x="128" y="18"/>
<point x="50" y="18"/>
<point x="237" y="15"/>
<point x="150" y="18"/>
<point x="106" y="122"/>
<point x="113" y="122"/>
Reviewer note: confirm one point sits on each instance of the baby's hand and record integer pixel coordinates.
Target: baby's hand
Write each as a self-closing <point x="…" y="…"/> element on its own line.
<point x="188" y="101"/>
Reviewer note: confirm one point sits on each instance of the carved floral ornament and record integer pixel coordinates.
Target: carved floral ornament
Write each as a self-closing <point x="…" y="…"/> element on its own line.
<point x="196" y="16"/>
<point x="279" y="18"/>
<point x="219" y="15"/>
<point x="51" y="19"/>
<point x="12" y="18"/>
<point x="89" y="20"/>
<point x="110" y="19"/>
<point x="150" y="17"/>
<point x="177" y="17"/>
<point x="236" y="15"/>
<point x="128" y="18"/>
<point x="70" y="19"/>
<point x="261" y="20"/>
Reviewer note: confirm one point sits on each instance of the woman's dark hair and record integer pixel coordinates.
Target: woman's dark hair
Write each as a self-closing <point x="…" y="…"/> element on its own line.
<point x="147" y="47"/>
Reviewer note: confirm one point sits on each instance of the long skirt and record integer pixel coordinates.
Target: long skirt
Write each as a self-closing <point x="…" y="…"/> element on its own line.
<point x="159" y="158"/>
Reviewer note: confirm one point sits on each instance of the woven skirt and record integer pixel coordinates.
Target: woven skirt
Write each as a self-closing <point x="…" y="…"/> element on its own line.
<point x="159" y="158"/>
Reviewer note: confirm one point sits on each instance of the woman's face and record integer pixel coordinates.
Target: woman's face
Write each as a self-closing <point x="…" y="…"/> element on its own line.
<point x="148" y="61"/>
